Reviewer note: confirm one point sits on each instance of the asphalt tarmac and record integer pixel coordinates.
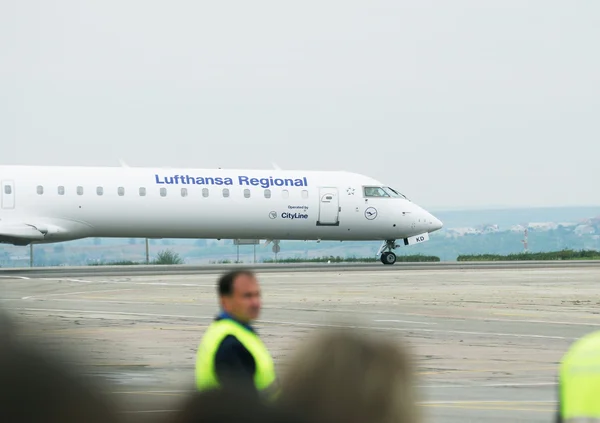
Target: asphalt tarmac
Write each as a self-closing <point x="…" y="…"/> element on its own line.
<point x="488" y="341"/>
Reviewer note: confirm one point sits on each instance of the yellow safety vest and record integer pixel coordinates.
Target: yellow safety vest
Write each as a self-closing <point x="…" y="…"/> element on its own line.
<point x="579" y="380"/>
<point x="206" y="377"/>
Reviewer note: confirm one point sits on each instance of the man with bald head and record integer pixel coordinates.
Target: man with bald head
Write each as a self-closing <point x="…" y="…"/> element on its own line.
<point x="230" y="353"/>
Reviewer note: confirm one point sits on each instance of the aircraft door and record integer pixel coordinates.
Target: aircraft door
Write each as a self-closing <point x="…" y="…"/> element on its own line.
<point x="329" y="207"/>
<point x="8" y="195"/>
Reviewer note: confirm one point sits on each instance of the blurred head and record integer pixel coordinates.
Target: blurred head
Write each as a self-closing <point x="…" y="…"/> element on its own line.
<point x="228" y="406"/>
<point x="239" y="294"/>
<point x="38" y="386"/>
<point x="343" y="376"/>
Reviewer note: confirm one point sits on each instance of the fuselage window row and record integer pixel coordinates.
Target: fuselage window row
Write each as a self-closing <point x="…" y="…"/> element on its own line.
<point x="163" y="192"/>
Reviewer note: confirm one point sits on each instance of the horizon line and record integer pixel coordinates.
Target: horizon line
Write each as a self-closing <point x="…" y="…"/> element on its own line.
<point x="506" y="207"/>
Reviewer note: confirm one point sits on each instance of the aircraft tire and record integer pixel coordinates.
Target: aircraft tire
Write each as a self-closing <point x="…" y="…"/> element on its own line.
<point x="388" y="258"/>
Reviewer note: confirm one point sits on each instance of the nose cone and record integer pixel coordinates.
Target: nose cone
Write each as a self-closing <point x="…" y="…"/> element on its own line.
<point x="437" y="224"/>
<point x="434" y="224"/>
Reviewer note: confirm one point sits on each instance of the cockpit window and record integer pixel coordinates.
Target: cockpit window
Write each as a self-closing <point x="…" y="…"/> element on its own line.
<point x="375" y="192"/>
<point x="393" y="193"/>
<point x="386" y="192"/>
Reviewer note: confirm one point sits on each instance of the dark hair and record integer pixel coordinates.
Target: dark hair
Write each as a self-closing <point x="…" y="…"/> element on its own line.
<point x="38" y="386"/>
<point x="232" y="406"/>
<point x="225" y="286"/>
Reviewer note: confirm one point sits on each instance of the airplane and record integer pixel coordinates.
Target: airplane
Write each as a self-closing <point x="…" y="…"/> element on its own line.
<point x="49" y="204"/>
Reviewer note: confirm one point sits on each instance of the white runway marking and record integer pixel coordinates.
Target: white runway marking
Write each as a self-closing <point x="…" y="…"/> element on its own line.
<point x="482" y="385"/>
<point x="406" y="321"/>
<point x="550" y="322"/>
<point x="77" y="300"/>
<point x="123" y="313"/>
<point x="129" y="282"/>
<point x="490" y="385"/>
<point x="451" y="402"/>
<point x="458" y="332"/>
<point x="13" y="277"/>
<point x="462" y="318"/>
<point x="65" y="279"/>
<point x="74" y="293"/>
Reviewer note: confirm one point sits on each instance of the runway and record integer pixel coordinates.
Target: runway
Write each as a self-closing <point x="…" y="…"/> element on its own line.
<point x="488" y="340"/>
<point x="183" y="269"/>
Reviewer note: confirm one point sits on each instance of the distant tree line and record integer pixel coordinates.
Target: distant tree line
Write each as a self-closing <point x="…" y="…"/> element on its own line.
<point x="163" y="257"/>
<point x="170" y="257"/>
<point x="339" y="259"/>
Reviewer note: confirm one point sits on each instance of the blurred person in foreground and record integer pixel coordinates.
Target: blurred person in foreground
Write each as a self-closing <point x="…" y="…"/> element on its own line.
<point x="579" y="381"/>
<point x="36" y="386"/>
<point x="226" y="405"/>
<point x="346" y="376"/>
<point x="231" y="354"/>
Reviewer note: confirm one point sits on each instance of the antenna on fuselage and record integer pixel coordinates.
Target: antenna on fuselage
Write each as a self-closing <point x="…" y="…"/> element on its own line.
<point x="275" y="166"/>
<point x="123" y="164"/>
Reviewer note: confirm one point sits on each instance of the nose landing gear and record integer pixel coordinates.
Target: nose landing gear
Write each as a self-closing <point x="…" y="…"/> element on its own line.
<point x="387" y="255"/>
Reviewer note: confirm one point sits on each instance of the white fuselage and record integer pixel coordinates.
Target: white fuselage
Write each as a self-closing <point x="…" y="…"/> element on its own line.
<point x="66" y="203"/>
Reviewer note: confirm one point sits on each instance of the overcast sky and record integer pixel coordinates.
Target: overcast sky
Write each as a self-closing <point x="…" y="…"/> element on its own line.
<point x="454" y="103"/>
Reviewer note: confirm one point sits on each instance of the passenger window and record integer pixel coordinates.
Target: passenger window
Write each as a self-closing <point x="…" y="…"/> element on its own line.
<point x="7" y="189"/>
<point x="80" y="190"/>
<point x="163" y="192"/>
<point x="247" y="193"/>
<point x="121" y="191"/>
<point x="285" y="193"/>
<point x="225" y="192"/>
<point x="40" y="189"/>
<point x="304" y="193"/>
<point x="184" y="192"/>
<point x="142" y="191"/>
<point x="205" y="192"/>
<point x="267" y="193"/>
<point x="99" y="190"/>
<point x="61" y="190"/>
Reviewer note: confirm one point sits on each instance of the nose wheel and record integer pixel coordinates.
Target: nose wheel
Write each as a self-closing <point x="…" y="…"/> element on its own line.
<point x="388" y="257"/>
